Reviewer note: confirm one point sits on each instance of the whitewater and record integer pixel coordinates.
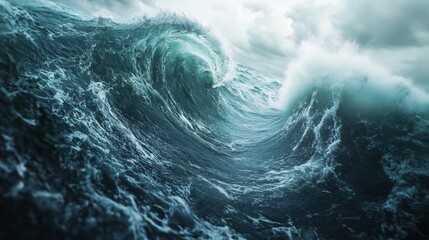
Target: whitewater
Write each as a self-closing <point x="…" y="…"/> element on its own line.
<point x="150" y="130"/>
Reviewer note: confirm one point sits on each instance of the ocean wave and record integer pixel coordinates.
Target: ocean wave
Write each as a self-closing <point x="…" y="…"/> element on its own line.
<point x="148" y="129"/>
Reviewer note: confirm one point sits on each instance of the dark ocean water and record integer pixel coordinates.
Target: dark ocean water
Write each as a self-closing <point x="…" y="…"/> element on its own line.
<point x="149" y="130"/>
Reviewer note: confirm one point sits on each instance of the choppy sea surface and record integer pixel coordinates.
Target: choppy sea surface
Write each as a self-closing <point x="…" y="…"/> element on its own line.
<point x="149" y="130"/>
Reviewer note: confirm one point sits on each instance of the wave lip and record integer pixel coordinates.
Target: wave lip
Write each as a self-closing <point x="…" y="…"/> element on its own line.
<point x="183" y="64"/>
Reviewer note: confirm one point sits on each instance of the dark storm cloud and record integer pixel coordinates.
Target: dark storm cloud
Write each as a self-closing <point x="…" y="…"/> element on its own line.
<point x="418" y="69"/>
<point x="394" y="32"/>
<point x="385" y="23"/>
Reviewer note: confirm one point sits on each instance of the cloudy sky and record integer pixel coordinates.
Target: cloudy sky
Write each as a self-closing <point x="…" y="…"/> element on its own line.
<point x="266" y="35"/>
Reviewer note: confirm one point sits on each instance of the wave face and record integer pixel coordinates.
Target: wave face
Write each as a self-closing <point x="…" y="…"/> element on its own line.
<point x="147" y="130"/>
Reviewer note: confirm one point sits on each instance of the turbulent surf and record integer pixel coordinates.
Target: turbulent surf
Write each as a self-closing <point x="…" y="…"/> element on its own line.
<point x="148" y="129"/>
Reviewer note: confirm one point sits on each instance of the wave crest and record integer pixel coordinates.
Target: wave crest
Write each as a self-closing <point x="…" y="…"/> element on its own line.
<point x="366" y="84"/>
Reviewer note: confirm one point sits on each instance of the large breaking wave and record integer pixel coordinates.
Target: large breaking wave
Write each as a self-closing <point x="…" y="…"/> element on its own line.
<point x="149" y="130"/>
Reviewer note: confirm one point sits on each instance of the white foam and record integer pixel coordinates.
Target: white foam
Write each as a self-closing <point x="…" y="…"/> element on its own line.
<point x="345" y="69"/>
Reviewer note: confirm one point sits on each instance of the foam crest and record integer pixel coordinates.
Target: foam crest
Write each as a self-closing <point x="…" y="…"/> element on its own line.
<point x="368" y="84"/>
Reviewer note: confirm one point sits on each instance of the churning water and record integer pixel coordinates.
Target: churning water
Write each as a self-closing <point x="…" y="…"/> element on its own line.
<point x="149" y="130"/>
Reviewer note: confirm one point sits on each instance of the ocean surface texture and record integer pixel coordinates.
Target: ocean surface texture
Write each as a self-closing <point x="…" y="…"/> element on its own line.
<point x="149" y="130"/>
